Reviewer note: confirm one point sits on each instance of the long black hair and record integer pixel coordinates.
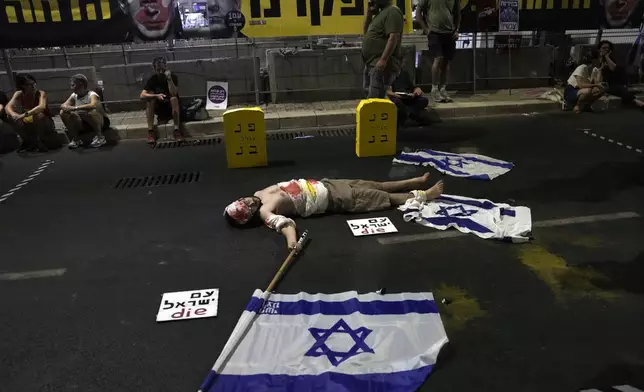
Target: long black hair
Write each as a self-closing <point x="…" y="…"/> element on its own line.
<point x="22" y="80"/>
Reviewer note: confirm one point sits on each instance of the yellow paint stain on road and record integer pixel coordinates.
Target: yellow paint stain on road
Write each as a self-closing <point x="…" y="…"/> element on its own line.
<point x="564" y="280"/>
<point x="462" y="307"/>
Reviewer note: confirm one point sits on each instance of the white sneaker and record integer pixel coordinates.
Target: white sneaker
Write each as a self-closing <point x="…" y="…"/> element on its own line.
<point x="73" y="144"/>
<point x="445" y="95"/>
<point x="436" y="96"/>
<point x="98" y="141"/>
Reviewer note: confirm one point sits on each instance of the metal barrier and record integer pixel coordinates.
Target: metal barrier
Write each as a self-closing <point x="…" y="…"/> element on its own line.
<point x="478" y="63"/>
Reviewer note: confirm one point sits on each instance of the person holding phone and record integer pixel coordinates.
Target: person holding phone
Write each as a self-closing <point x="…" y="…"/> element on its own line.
<point x="161" y="94"/>
<point x="381" y="47"/>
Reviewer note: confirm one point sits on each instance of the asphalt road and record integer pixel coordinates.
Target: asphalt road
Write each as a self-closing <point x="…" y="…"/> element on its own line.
<point x="564" y="313"/>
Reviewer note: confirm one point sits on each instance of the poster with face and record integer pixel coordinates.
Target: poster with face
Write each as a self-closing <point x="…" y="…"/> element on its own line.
<point x="622" y="14"/>
<point x="153" y="20"/>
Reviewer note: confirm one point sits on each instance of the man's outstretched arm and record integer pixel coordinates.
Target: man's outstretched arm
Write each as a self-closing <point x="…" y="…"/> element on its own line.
<point x="281" y="224"/>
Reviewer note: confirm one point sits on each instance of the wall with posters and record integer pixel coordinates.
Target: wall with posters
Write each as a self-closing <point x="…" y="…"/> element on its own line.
<point x="46" y="23"/>
<point x="556" y="15"/>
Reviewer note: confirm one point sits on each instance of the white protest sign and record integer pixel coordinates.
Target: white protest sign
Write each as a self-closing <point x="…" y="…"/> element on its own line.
<point x="184" y="305"/>
<point x="217" y="95"/>
<point x="371" y="226"/>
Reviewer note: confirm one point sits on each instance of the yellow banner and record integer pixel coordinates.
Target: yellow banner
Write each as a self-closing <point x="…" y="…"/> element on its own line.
<point x="289" y="18"/>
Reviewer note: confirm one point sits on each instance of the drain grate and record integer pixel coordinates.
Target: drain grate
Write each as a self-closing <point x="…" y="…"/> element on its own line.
<point x="156" y="181"/>
<point x="213" y="141"/>
<point x="337" y="132"/>
<point x="286" y="135"/>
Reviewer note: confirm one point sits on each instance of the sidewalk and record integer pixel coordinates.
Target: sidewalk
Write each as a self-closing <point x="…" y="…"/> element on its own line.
<point x="285" y="116"/>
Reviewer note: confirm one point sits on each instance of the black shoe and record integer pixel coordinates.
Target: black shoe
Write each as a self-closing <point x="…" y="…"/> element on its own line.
<point x="24" y="147"/>
<point x="41" y="147"/>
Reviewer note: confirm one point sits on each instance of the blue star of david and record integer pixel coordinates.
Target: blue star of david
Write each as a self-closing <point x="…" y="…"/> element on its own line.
<point x="321" y="335"/>
<point x="460" y="211"/>
<point x="455" y="162"/>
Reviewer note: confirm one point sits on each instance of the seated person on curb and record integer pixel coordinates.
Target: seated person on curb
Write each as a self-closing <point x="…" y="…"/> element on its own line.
<point x="408" y="98"/>
<point x="82" y="108"/>
<point x="161" y="94"/>
<point x="29" y="115"/>
<point x="581" y="92"/>
<point x="614" y="76"/>
<point x="304" y="198"/>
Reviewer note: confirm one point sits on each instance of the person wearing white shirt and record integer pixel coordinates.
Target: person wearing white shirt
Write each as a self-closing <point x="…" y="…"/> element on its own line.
<point x="582" y="89"/>
<point x="83" y="108"/>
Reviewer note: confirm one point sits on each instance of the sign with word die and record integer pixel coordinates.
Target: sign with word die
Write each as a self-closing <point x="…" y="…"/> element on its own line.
<point x="376" y="128"/>
<point x="245" y="137"/>
<point x="371" y="226"/>
<point x="184" y="305"/>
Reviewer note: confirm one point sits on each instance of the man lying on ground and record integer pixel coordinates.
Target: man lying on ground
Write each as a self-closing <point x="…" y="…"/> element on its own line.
<point x="304" y="198"/>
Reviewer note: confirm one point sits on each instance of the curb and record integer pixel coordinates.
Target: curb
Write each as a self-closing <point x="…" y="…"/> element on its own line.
<point x="314" y="119"/>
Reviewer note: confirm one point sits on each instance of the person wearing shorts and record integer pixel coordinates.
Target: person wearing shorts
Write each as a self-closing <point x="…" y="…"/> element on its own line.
<point x="161" y="94"/>
<point x="582" y="90"/>
<point x="441" y="22"/>
<point x="274" y="205"/>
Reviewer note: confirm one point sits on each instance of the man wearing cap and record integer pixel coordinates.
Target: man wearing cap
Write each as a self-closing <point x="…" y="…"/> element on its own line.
<point x="274" y="205"/>
<point x="83" y="108"/>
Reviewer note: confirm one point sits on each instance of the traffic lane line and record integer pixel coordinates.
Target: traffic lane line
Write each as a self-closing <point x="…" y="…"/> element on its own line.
<point x="405" y="238"/>
<point x="48" y="273"/>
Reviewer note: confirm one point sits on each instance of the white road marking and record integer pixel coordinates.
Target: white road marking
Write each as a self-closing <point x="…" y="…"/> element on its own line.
<point x="591" y="390"/>
<point x="401" y="239"/>
<point x="24" y="182"/>
<point x="627" y="388"/>
<point x="601" y="137"/>
<point x="619" y="144"/>
<point x="610" y="140"/>
<point x="33" y="274"/>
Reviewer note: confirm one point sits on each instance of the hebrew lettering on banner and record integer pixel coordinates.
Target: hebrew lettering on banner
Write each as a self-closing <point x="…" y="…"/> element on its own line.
<point x="46" y="23"/>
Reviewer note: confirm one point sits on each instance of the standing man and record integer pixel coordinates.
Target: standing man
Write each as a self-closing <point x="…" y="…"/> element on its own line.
<point x="161" y="93"/>
<point x="381" y="47"/>
<point x="441" y="21"/>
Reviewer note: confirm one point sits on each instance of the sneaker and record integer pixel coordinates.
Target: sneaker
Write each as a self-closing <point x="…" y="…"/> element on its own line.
<point x="73" y="144"/>
<point x="443" y="93"/>
<point x="436" y="96"/>
<point x="178" y="135"/>
<point x="98" y="141"/>
<point x="152" y="137"/>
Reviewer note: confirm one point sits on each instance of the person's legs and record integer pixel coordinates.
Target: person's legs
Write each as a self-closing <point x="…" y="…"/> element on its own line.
<point x="436" y="53"/>
<point x="397" y="199"/>
<point x="416" y="106"/>
<point x="27" y="137"/>
<point x="586" y="97"/>
<point x="176" y="118"/>
<point x="43" y="128"/>
<point x="448" y="45"/>
<point x="388" y="186"/>
<point x="150" y="110"/>
<point x="95" y="120"/>
<point x="402" y="110"/>
<point x="74" y="125"/>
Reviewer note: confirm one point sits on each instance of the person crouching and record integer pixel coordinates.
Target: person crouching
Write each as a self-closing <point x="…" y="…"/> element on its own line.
<point x="83" y="108"/>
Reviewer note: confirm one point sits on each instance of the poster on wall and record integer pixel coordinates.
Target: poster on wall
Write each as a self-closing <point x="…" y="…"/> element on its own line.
<point x="55" y="23"/>
<point x="51" y="23"/>
<point x="508" y="16"/>
<point x="217" y="94"/>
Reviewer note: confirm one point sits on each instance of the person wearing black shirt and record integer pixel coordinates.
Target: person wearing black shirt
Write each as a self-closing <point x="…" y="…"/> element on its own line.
<point x="615" y="76"/>
<point x="161" y="94"/>
<point x="408" y="98"/>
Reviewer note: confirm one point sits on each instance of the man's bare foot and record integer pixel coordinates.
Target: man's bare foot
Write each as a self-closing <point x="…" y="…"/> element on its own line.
<point x="435" y="191"/>
<point x="419" y="182"/>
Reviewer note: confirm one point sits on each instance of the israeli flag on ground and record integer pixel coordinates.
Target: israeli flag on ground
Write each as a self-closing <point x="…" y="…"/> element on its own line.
<point x="477" y="216"/>
<point x="473" y="166"/>
<point x="331" y="343"/>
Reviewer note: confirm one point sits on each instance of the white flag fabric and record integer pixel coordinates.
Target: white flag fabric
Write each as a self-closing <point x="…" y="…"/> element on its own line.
<point x="478" y="216"/>
<point x="332" y="343"/>
<point x="472" y="166"/>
